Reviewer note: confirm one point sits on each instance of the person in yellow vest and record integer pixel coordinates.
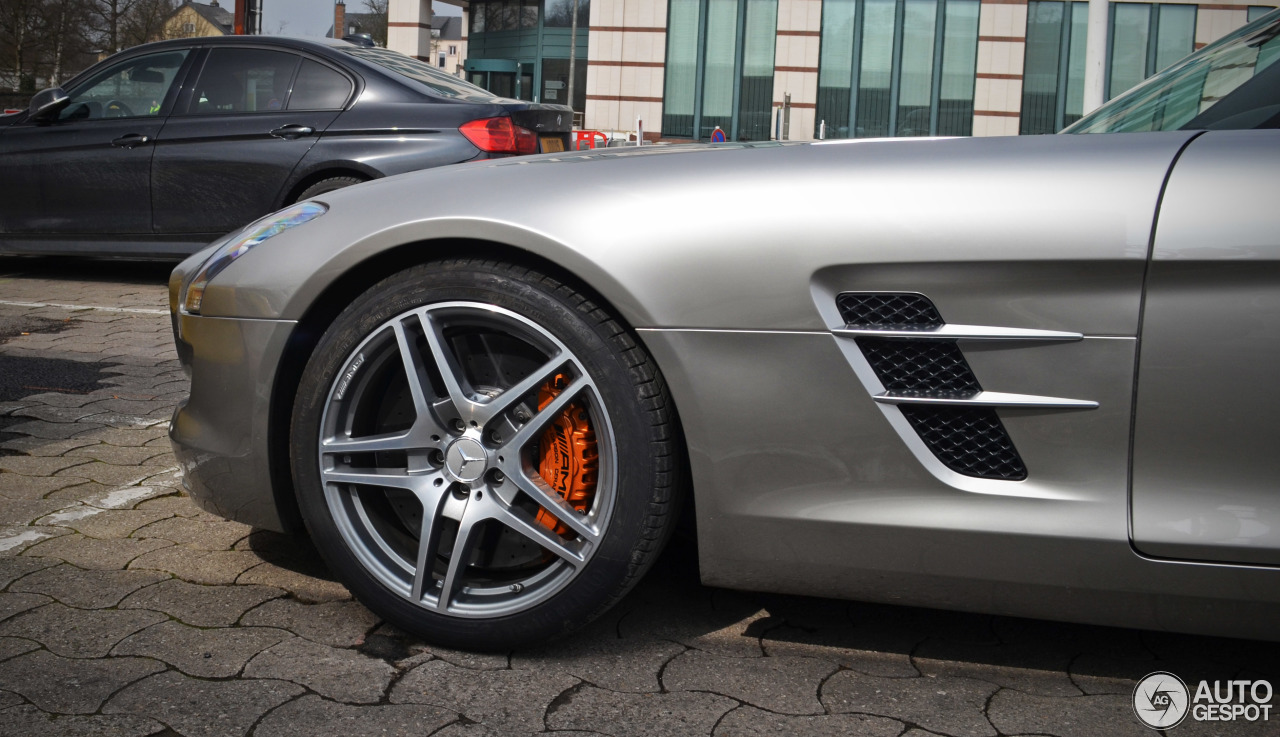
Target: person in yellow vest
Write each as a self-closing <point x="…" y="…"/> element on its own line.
<point x="155" y="108"/>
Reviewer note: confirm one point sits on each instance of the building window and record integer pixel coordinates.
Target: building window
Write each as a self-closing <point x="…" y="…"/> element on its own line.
<point x="453" y="51"/>
<point x="1142" y="40"/>
<point x="897" y="67"/>
<point x="189" y="28"/>
<point x="719" y="68"/>
<point x="559" y="14"/>
<point x="1257" y="11"/>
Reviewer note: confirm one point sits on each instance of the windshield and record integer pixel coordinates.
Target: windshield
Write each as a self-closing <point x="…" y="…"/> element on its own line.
<point x="406" y="66"/>
<point x="1231" y="84"/>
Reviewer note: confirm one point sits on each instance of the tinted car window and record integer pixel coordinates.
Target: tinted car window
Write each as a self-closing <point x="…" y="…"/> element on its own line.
<point x="319" y="88"/>
<point x="440" y="83"/>
<point x="243" y="81"/>
<point x="134" y="88"/>
<point x="1233" y="84"/>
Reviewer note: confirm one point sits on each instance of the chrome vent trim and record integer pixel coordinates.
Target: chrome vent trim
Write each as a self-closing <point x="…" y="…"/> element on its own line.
<point x="990" y="399"/>
<point x="958" y="332"/>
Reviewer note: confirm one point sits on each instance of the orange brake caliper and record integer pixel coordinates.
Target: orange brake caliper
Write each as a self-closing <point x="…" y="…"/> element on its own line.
<point x="569" y="459"/>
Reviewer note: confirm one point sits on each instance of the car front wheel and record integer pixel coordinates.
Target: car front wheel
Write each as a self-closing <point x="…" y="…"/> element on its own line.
<point x="484" y="455"/>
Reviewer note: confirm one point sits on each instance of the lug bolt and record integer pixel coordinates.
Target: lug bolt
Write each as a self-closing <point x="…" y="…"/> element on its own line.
<point x="516" y="588"/>
<point x="459" y="425"/>
<point x="496" y="437"/>
<point x="522" y="416"/>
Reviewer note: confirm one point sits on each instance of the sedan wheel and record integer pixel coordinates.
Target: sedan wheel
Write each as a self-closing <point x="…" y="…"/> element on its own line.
<point x="483" y="455"/>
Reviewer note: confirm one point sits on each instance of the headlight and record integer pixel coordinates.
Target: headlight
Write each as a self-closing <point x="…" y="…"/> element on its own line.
<point x="268" y="227"/>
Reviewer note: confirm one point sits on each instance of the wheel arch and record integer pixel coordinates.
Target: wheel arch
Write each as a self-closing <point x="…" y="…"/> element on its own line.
<point x="319" y="175"/>
<point x="341" y="291"/>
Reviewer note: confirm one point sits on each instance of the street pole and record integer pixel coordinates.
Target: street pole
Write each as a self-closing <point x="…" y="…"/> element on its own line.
<point x="1095" y="54"/>
<point x="573" y="52"/>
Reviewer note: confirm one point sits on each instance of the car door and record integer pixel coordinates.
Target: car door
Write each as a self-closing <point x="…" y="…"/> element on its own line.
<point x="1205" y="460"/>
<point x="252" y="114"/>
<point x="87" y="171"/>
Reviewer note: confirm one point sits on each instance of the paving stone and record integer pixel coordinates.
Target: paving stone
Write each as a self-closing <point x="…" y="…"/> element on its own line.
<point x="86" y="589"/>
<point x="110" y="475"/>
<point x="197" y="708"/>
<point x="601" y="659"/>
<point x="694" y="620"/>
<point x="178" y="505"/>
<point x="14" y="646"/>
<point x="875" y="652"/>
<point x="470" y="729"/>
<point x="199" y="566"/>
<point x="200" y="606"/>
<point x="339" y="624"/>
<point x="15" y="540"/>
<point x="952" y="706"/>
<point x="99" y="523"/>
<point x="66" y="686"/>
<point x="341" y="675"/>
<point x="56" y="430"/>
<point x="747" y="721"/>
<point x="77" y="633"/>
<point x="1013" y="712"/>
<point x="309" y="589"/>
<point x="37" y="466"/>
<point x="128" y="497"/>
<point x="42" y="447"/>
<point x="28" y="721"/>
<point x="311" y="716"/>
<point x="507" y="700"/>
<point x="1038" y="670"/>
<point x="786" y="684"/>
<point x="15" y="512"/>
<point x="200" y="534"/>
<point x="117" y="455"/>
<point x="134" y="437"/>
<point x="11" y="604"/>
<point x="205" y="653"/>
<point x="56" y="414"/>
<point x="88" y="552"/>
<point x="15" y="567"/>
<point x="9" y="699"/>
<point x="642" y="715"/>
<point x="17" y="486"/>
<point x="59" y="399"/>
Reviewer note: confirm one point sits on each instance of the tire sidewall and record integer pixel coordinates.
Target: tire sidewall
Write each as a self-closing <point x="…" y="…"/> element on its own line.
<point x="611" y="569"/>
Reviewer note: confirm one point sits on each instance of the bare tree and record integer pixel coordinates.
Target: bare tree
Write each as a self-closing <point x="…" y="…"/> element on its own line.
<point x="377" y="10"/>
<point x="110" y="17"/>
<point x="146" y="21"/>
<point x="21" y="40"/>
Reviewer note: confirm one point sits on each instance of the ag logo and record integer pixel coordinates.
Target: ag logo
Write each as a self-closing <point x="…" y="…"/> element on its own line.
<point x="1160" y="700"/>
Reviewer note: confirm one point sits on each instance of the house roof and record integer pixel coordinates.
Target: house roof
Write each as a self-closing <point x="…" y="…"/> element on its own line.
<point x="219" y="17"/>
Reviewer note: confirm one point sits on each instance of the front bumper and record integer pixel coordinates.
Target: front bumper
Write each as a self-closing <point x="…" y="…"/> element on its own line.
<point x="220" y="434"/>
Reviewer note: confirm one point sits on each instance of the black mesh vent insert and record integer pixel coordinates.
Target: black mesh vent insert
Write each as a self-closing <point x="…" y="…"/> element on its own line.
<point x="968" y="440"/>
<point x="920" y="368"/>
<point x="888" y="310"/>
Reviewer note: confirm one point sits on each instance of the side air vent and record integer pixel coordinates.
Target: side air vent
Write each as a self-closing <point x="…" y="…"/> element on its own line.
<point x="920" y="368"/>
<point x="909" y="348"/>
<point x="970" y="441"/>
<point x="888" y="311"/>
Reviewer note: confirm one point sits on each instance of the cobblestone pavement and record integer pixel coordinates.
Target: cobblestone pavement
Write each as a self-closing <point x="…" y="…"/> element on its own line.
<point x="124" y="610"/>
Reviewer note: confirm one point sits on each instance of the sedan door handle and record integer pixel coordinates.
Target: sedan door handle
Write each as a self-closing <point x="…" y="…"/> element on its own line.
<point x="290" y="132"/>
<point x="131" y="141"/>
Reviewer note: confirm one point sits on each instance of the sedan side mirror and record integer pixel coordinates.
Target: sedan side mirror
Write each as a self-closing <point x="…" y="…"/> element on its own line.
<point x="47" y="102"/>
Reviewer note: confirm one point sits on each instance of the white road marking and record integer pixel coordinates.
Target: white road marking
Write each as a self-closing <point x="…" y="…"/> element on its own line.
<point x="100" y="308"/>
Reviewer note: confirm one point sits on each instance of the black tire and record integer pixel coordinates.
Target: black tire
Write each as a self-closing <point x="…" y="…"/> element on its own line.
<point x="326" y="185"/>
<point x="621" y="394"/>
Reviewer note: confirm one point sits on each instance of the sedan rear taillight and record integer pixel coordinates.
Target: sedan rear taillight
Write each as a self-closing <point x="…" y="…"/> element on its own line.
<point x="500" y="136"/>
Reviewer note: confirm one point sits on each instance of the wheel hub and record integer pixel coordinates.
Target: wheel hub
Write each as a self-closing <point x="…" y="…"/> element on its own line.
<point x="465" y="460"/>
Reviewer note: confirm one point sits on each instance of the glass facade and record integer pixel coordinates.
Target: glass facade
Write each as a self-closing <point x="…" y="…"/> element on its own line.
<point x="897" y="67"/>
<point x="520" y="48"/>
<point x="719" y="69"/>
<point x="1143" y="39"/>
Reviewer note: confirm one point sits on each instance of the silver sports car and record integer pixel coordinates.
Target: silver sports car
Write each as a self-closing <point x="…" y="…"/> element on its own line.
<point x="1033" y="376"/>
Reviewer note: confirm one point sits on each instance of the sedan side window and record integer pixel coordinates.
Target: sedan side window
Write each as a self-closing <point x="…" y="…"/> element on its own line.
<point x="243" y="81"/>
<point x="133" y="88"/>
<point x="319" y="88"/>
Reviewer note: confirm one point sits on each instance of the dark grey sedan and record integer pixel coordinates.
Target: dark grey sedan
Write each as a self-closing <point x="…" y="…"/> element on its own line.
<point x="160" y="149"/>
